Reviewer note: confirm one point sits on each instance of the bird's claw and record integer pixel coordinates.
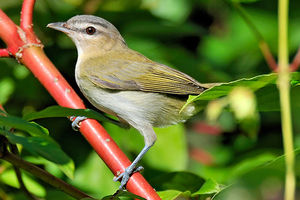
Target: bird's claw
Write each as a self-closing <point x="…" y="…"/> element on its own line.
<point x="76" y="122"/>
<point x="126" y="175"/>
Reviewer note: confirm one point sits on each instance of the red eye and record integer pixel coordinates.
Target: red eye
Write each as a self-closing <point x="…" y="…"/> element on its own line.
<point x="90" y="30"/>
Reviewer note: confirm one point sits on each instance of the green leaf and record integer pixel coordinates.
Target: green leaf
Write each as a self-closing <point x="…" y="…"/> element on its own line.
<point x="279" y="163"/>
<point x="209" y="187"/>
<point x="182" y="181"/>
<point x="68" y="168"/>
<point x="9" y="177"/>
<point x="58" y="111"/>
<point x="223" y="89"/>
<point x="249" y="164"/>
<point x="256" y="83"/>
<point x="43" y="146"/>
<point x="295" y="82"/>
<point x="268" y="98"/>
<point x="15" y="122"/>
<point x="174" y="195"/>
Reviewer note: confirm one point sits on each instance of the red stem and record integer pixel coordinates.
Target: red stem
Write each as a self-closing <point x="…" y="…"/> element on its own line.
<point x="268" y="55"/>
<point x="296" y="62"/>
<point x="33" y="57"/>
<point x="9" y="33"/>
<point x="26" y="15"/>
<point x="4" y="53"/>
<point x="26" y="21"/>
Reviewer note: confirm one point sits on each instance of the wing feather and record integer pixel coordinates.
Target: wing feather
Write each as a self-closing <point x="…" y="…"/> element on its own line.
<point x="144" y="75"/>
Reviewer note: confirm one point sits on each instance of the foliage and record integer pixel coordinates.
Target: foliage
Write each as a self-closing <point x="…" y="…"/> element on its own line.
<point x="237" y="153"/>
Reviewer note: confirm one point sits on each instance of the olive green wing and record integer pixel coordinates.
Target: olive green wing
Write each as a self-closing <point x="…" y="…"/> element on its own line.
<point x="145" y="76"/>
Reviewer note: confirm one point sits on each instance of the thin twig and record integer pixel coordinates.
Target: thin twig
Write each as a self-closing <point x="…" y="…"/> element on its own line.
<point x="248" y="21"/>
<point x="14" y="150"/>
<point x="44" y="175"/>
<point x="26" y="22"/>
<point x="296" y="62"/>
<point x="4" y="53"/>
<point x="268" y="55"/>
<point x="26" y="15"/>
<point x="261" y="41"/>
<point x="285" y="101"/>
<point x="22" y="185"/>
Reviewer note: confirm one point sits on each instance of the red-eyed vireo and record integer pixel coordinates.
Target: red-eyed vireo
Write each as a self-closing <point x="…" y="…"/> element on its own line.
<point x="126" y="84"/>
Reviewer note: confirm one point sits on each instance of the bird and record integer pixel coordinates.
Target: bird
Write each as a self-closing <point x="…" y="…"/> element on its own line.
<point x="124" y="83"/>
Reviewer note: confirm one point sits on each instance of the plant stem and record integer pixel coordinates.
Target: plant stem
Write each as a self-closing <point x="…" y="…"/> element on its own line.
<point x="284" y="92"/>
<point x="261" y="41"/>
<point x="45" y="176"/>
<point x="296" y="62"/>
<point x="14" y="150"/>
<point x="26" y="15"/>
<point x="248" y="21"/>
<point x="22" y="184"/>
<point x="268" y="55"/>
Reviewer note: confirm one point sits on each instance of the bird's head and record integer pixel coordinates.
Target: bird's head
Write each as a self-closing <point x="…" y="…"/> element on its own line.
<point x="90" y="33"/>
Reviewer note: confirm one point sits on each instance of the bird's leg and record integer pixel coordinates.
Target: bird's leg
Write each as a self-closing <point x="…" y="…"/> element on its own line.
<point x="76" y="121"/>
<point x="132" y="168"/>
<point x="150" y="138"/>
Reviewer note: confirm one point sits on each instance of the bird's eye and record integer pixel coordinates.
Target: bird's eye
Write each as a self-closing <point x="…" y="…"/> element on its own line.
<point x="90" y="30"/>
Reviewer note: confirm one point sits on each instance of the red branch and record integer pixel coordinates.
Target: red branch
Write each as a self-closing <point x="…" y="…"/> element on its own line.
<point x="26" y="21"/>
<point x="296" y="62"/>
<point x="4" y="53"/>
<point x="272" y="62"/>
<point x="268" y="55"/>
<point x="25" y="47"/>
<point x="26" y="15"/>
<point x="9" y="33"/>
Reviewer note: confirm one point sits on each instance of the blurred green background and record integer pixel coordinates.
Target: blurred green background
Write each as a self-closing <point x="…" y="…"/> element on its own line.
<point x="205" y="39"/>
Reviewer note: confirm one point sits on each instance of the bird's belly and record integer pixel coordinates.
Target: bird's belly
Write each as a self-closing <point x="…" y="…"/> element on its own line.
<point x="137" y="107"/>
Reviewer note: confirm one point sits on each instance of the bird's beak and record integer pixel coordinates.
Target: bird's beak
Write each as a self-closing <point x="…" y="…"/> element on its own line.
<point x="60" y="26"/>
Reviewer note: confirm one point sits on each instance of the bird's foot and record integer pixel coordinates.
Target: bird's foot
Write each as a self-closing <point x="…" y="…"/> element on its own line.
<point x="76" y="122"/>
<point x="126" y="175"/>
